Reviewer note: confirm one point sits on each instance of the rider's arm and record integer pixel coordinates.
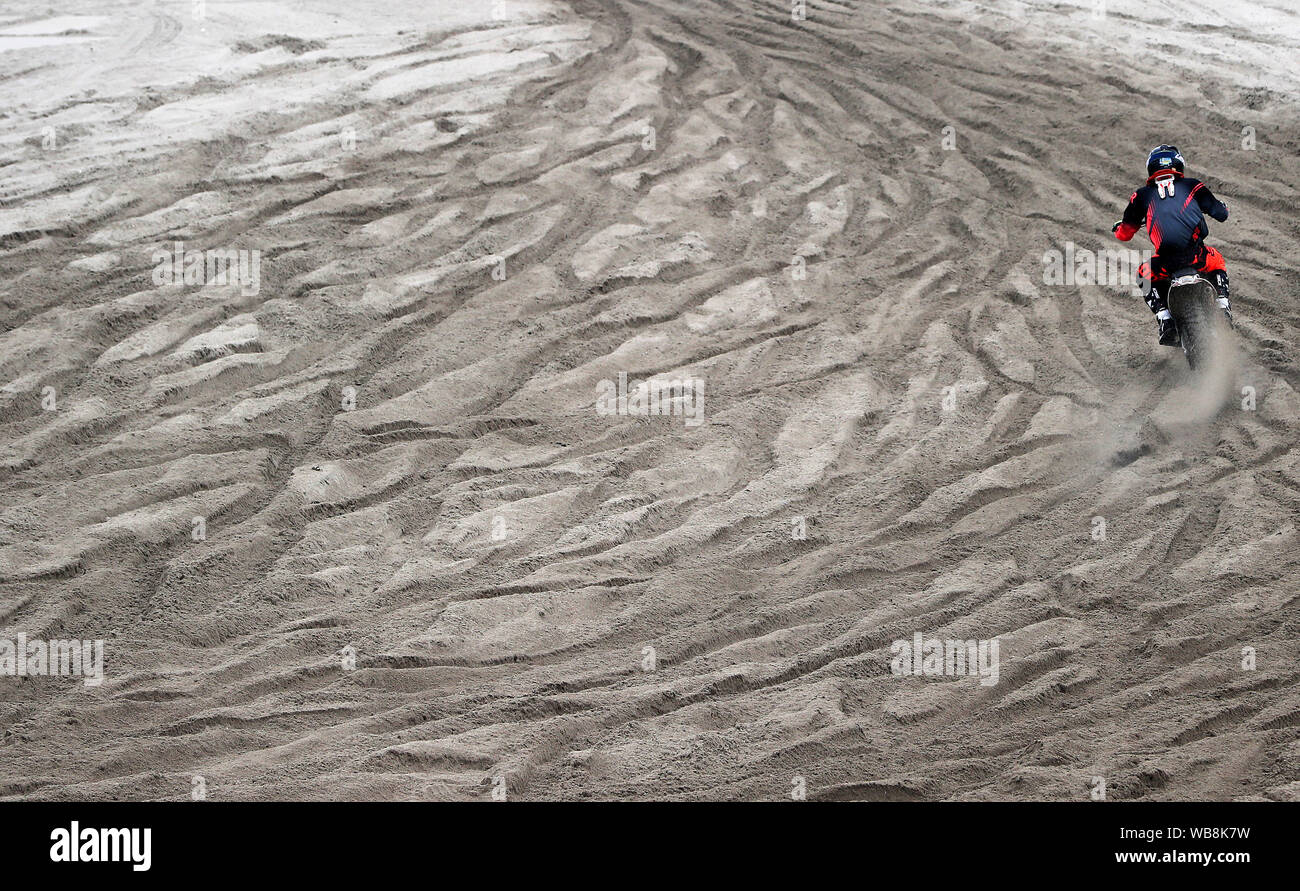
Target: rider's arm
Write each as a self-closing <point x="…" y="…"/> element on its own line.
<point x="1210" y="206"/>
<point x="1134" y="216"/>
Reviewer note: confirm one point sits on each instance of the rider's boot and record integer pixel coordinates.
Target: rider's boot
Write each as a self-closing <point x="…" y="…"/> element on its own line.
<point x="1220" y="280"/>
<point x="1227" y="310"/>
<point x="1168" y="330"/>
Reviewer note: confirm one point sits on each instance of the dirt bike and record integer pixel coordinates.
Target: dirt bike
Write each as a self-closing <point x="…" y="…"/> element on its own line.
<point x="1193" y="303"/>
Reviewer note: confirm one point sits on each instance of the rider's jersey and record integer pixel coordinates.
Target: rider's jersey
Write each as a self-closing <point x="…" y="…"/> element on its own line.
<point x="1174" y="214"/>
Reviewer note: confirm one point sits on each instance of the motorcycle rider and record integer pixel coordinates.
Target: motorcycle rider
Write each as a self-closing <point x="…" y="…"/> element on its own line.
<point x="1173" y="207"/>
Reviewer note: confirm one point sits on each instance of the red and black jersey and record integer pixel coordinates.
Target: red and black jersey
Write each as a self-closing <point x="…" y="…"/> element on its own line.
<point x="1174" y="211"/>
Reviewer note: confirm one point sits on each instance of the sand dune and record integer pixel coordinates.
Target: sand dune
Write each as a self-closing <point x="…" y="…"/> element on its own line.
<point x="350" y="519"/>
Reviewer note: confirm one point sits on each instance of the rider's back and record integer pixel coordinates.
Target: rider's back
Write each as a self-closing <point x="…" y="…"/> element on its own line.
<point x="1174" y="211"/>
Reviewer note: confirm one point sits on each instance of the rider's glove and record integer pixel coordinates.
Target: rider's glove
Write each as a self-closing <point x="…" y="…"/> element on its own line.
<point x="1115" y="228"/>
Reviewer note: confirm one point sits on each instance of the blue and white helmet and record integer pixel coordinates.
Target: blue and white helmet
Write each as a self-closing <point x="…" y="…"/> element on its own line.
<point x="1164" y="158"/>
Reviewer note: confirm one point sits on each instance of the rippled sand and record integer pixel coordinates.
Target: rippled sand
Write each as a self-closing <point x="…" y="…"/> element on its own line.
<point x="358" y="530"/>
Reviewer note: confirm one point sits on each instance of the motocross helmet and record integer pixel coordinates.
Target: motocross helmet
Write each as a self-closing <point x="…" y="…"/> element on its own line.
<point x="1164" y="158"/>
